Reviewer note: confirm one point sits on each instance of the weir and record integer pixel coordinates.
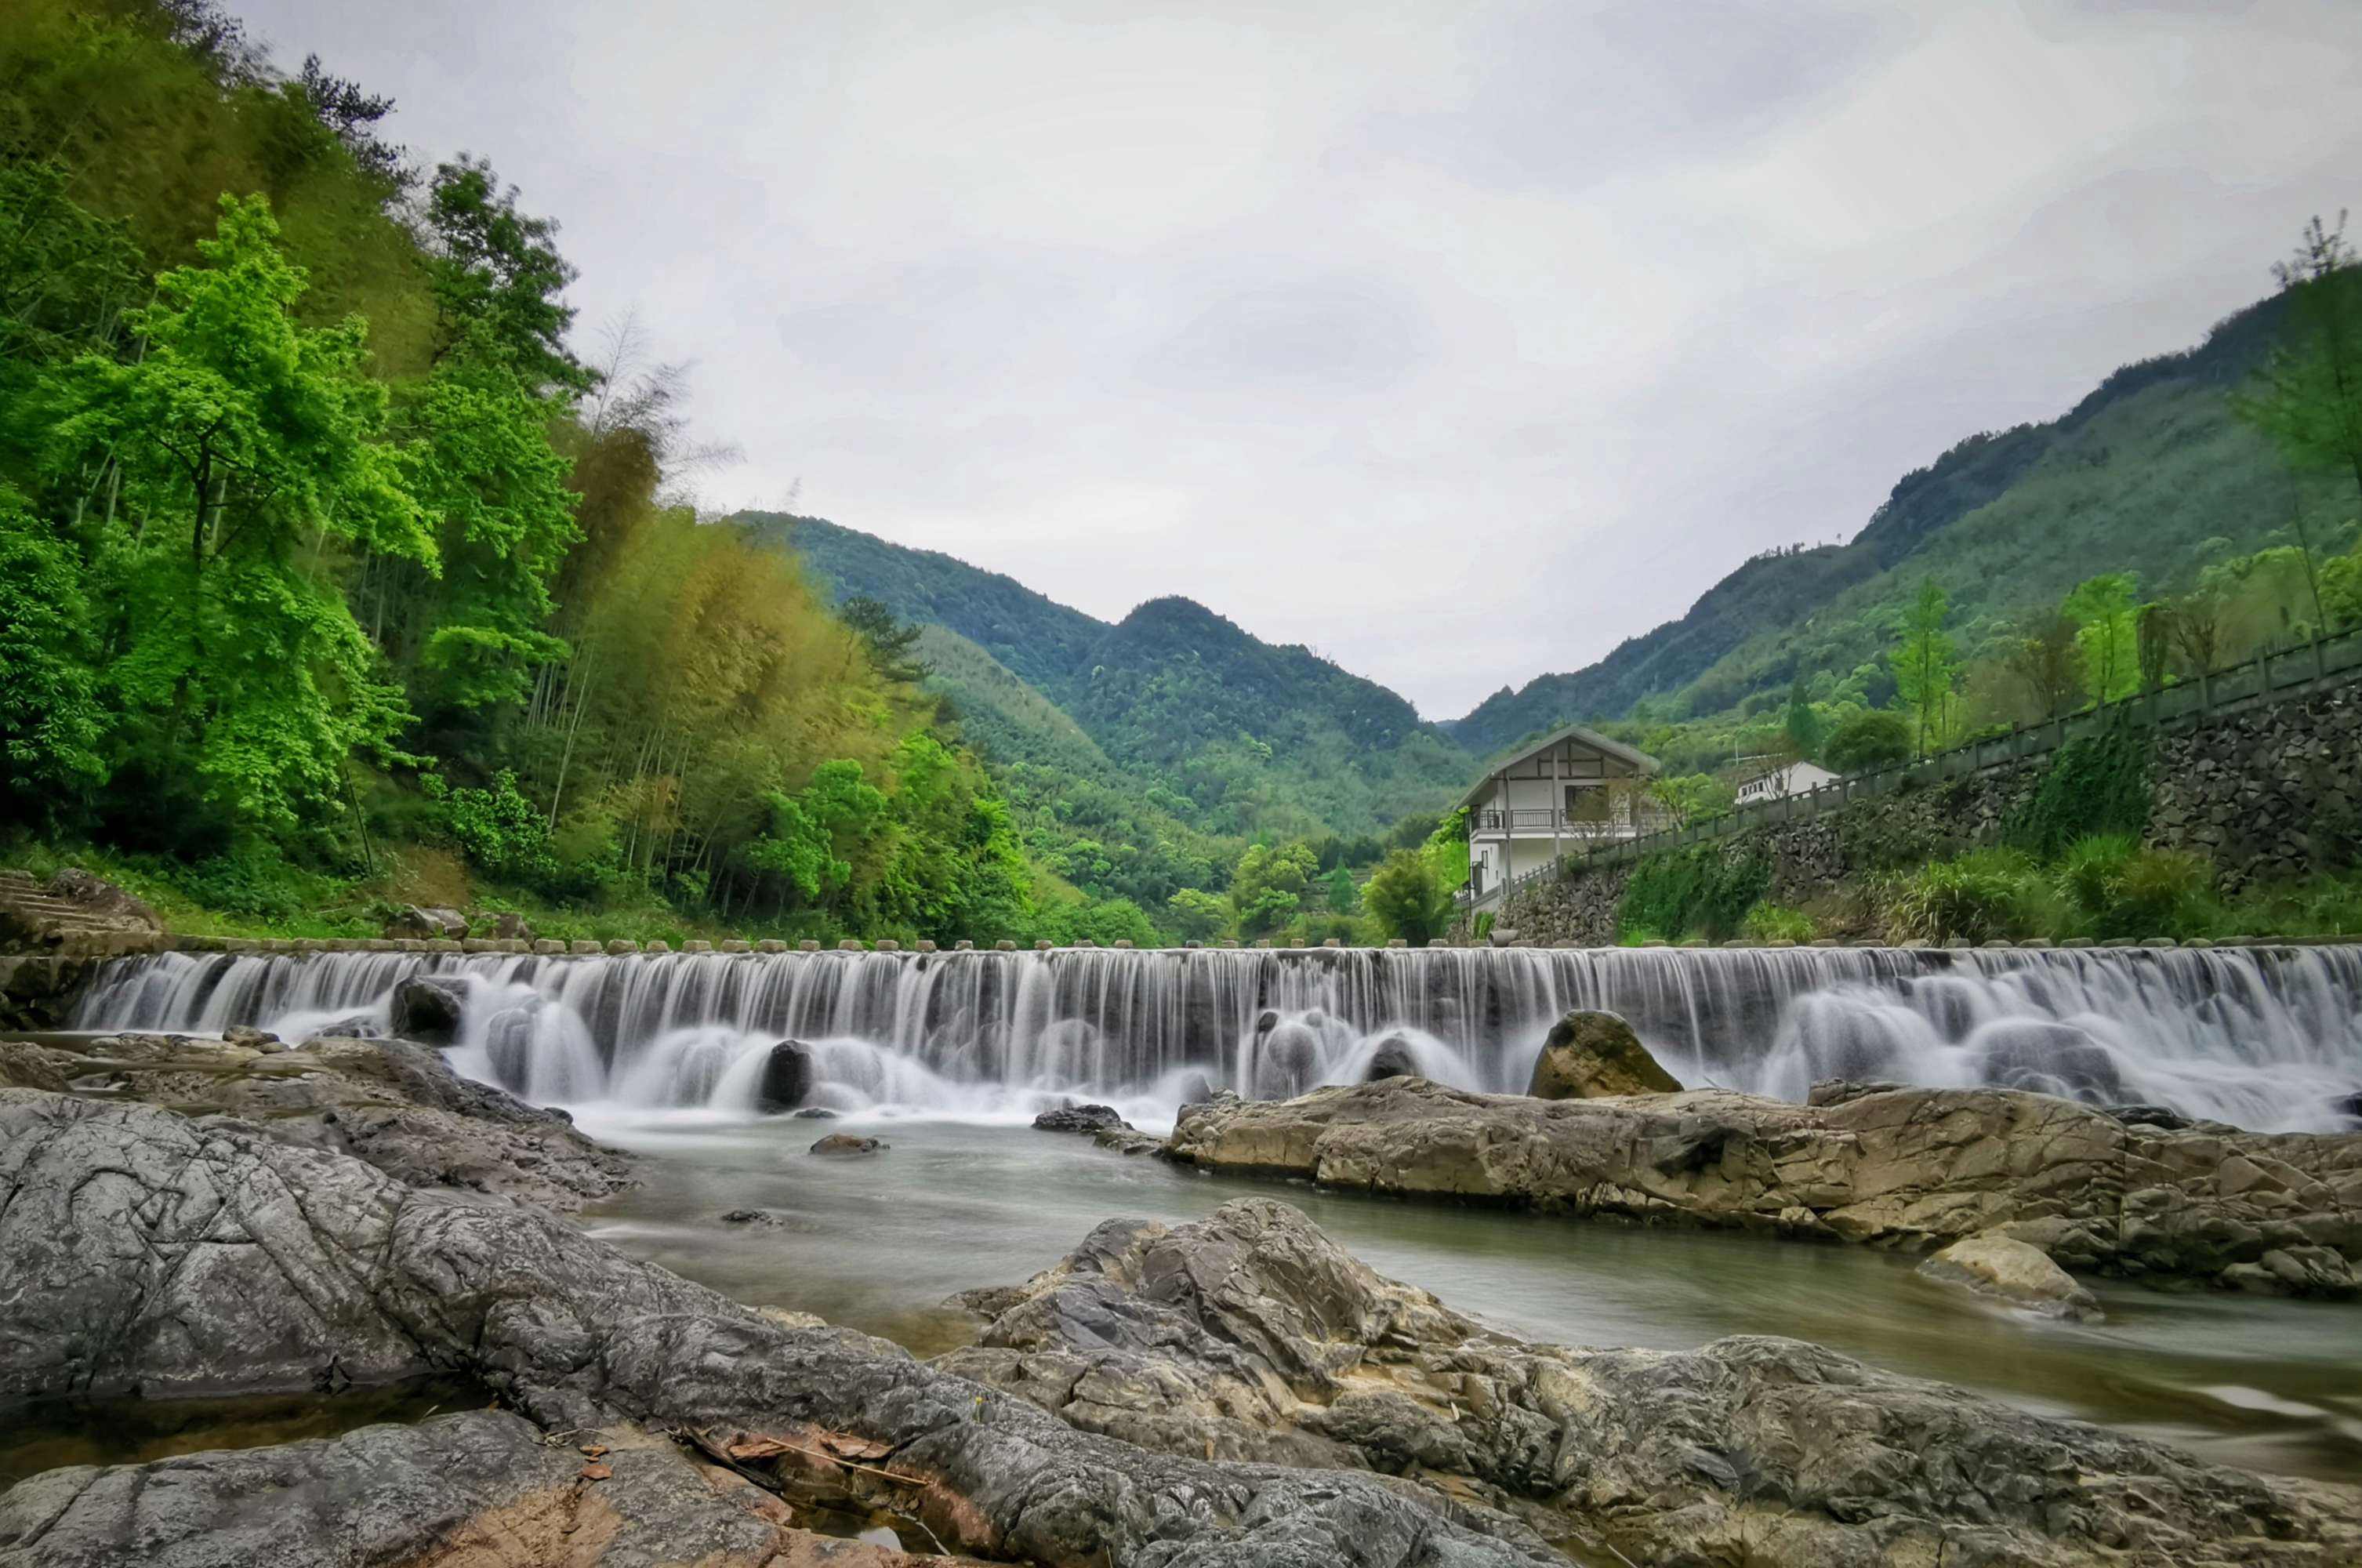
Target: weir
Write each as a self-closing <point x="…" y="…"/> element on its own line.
<point x="2263" y="1037"/>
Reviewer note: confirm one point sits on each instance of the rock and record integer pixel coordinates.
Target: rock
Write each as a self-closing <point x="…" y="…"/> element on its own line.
<point x="73" y="913"/>
<point x="211" y="1256"/>
<point x="2159" y="1116"/>
<point x="1265" y="1021"/>
<point x="748" y="1216"/>
<point x="815" y="1113"/>
<point x="100" y="898"/>
<point x="38" y="990"/>
<point x="1197" y="1088"/>
<point x="1125" y="1139"/>
<point x="484" y="1489"/>
<point x="426" y="1007"/>
<point x="1251" y="1335"/>
<point x="1917" y="1168"/>
<point x="392" y="1103"/>
<point x="843" y="1143"/>
<point x="1994" y="1264"/>
<point x="1595" y="1056"/>
<point x="1078" y="1119"/>
<point x="789" y="1074"/>
<point x="1837" y="1091"/>
<point x="507" y="925"/>
<point x="1393" y="1059"/>
<point x="2049" y="1058"/>
<point x="417" y="923"/>
<point x="26" y="1066"/>
<point x="1286" y="1061"/>
<point x="2348" y="1105"/>
<point x="251" y="1038"/>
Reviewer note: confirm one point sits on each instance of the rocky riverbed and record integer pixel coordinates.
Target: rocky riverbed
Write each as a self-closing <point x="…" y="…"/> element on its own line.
<point x="2134" y="1192"/>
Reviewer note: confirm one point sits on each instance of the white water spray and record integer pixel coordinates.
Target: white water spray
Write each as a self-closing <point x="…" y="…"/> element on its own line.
<point x="2266" y="1037"/>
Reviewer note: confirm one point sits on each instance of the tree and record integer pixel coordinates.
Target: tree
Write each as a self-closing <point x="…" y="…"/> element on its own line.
<point x="243" y="442"/>
<point x="2107" y="632"/>
<point x="50" y="722"/>
<point x="1925" y="664"/>
<point x="1197" y="915"/>
<point x="889" y="640"/>
<point x="2045" y="660"/>
<point x="1267" y="885"/>
<point x="1688" y="797"/>
<point x="499" y="267"/>
<point x="2308" y="397"/>
<point x="1344" y="898"/>
<point x="1801" y="725"/>
<point x="1407" y="899"/>
<point x="1874" y="738"/>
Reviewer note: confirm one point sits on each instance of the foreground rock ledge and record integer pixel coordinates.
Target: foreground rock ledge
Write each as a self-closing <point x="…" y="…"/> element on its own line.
<point x="1251" y="1334"/>
<point x="141" y="1250"/>
<point x="1906" y="1167"/>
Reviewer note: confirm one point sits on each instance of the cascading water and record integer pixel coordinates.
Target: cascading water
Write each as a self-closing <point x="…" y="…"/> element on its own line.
<point x="2262" y="1037"/>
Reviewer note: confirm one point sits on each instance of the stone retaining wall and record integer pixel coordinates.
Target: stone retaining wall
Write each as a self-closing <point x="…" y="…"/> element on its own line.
<point x="2267" y="793"/>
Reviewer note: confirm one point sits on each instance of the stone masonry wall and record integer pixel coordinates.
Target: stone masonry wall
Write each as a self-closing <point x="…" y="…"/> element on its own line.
<point x="2267" y="793"/>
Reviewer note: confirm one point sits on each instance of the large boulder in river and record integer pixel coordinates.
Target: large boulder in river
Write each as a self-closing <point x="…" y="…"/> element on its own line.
<point x="1286" y="1061"/>
<point x="1251" y="1335"/>
<point x="426" y="1007"/>
<point x="146" y="1251"/>
<point x="26" y="1066"/>
<point x="2011" y="1270"/>
<point x="789" y="1074"/>
<point x="1912" y="1168"/>
<point x="1596" y="1055"/>
<point x="1392" y="1059"/>
<point x="841" y="1144"/>
<point x="1079" y="1119"/>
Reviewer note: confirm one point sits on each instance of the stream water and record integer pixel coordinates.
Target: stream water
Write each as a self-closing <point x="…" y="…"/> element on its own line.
<point x="879" y="1242"/>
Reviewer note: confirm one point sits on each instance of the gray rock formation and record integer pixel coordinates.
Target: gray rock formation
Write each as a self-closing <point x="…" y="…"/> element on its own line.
<point x="426" y="1007"/>
<point x="1910" y="1168"/>
<point x="1251" y="1334"/>
<point x="1392" y="1059"/>
<point x="1078" y="1119"/>
<point x="843" y="1144"/>
<point x="2012" y="1272"/>
<point x="482" y="1490"/>
<point x="1594" y="1055"/>
<point x="392" y="1103"/>
<point x="417" y="922"/>
<point x="787" y="1077"/>
<point x="142" y="1249"/>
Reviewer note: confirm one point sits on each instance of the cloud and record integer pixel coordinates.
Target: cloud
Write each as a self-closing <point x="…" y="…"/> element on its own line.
<point x="1458" y="340"/>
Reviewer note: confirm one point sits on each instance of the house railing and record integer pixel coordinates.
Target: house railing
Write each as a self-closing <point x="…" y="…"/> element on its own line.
<point x="2274" y="675"/>
<point x="1542" y="820"/>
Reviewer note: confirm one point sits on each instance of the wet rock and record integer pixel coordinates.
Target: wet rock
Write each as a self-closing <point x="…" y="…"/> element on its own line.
<point x="2049" y="1058"/>
<point x="209" y="1255"/>
<point x="1079" y="1119"/>
<point x="845" y="1143"/>
<point x="251" y="1038"/>
<point x="426" y="1007"/>
<point x="2159" y="1116"/>
<point x="815" y="1113"/>
<point x="749" y="1217"/>
<point x="1265" y="1021"/>
<point x="1837" y="1091"/>
<point x="26" y="1066"/>
<point x="1251" y="1334"/>
<point x="418" y="922"/>
<point x="2348" y="1105"/>
<point x="2015" y="1272"/>
<point x="1393" y="1059"/>
<point x="1287" y="1062"/>
<point x="1197" y="1088"/>
<point x="1594" y="1055"/>
<point x="789" y="1074"/>
<point x="480" y="1490"/>
<point x="1126" y="1138"/>
<point x="392" y="1103"/>
<point x="1910" y="1168"/>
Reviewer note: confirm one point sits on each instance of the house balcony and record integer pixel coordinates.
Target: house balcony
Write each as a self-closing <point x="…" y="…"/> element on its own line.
<point x="1540" y="822"/>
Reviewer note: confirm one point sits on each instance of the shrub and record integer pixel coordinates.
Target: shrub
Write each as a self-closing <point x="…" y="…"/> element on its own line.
<point x="1408" y="898"/>
<point x="2098" y="784"/>
<point x="1703" y="890"/>
<point x="498" y="829"/>
<point x="1870" y="739"/>
<point x="1777" y="923"/>
<point x="1985" y="895"/>
<point x="2164" y="892"/>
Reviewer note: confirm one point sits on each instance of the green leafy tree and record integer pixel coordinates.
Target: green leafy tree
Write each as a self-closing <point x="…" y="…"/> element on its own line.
<point x="1197" y="915"/>
<point x="2107" y="631"/>
<point x="1407" y="898"/>
<point x="1874" y="738"/>
<point x="1800" y="726"/>
<point x="2308" y="397"/>
<point x="890" y="642"/>
<point x="1344" y="898"/>
<point x="2047" y="662"/>
<point x="1268" y="884"/>
<point x="1446" y="849"/>
<point x="1689" y="797"/>
<point x="51" y="720"/>
<point x="498" y="270"/>
<point x="244" y="442"/>
<point x="1926" y="667"/>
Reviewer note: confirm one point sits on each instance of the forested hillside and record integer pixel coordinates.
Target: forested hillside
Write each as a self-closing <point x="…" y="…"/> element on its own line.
<point x="1231" y="735"/>
<point x="332" y="575"/>
<point x="2150" y="473"/>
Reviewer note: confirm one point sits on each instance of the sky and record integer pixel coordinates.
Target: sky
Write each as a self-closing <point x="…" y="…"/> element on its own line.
<point x="1457" y="341"/>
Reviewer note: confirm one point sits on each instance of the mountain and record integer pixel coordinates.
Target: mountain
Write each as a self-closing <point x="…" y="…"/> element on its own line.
<point x="2140" y="474"/>
<point x="1221" y="735"/>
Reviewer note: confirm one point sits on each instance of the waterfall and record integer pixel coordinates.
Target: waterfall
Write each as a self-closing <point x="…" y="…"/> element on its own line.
<point x="2261" y="1037"/>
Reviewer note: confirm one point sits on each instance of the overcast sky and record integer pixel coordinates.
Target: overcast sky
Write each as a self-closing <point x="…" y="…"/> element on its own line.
<point x="1459" y="341"/>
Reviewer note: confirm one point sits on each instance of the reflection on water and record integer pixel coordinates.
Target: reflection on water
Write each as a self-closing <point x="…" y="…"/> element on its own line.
<point x="50" y="1433"/>
<point x="878" y="1243"/>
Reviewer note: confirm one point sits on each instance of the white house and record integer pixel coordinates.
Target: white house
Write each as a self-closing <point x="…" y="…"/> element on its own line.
<point x="1565" y="791"/>
<point x="1793" y="778"/>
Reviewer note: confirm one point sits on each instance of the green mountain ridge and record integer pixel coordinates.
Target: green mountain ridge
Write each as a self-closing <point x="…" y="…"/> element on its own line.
<point x="2140" y="473"/>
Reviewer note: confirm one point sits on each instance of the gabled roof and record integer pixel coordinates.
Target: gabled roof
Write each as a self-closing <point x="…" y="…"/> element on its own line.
<point x="1640" y="760"/>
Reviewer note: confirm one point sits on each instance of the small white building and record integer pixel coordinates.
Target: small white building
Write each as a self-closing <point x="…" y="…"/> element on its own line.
<point x="1790" y="778"/>
<point x="1569" y="789"/>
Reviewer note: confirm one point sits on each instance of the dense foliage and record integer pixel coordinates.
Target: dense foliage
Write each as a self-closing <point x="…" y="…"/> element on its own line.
<point x="1705" y="890"/>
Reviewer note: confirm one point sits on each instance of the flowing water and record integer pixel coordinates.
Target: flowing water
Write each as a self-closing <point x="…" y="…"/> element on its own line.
<point x="2267" y="1038"/>
<point x="948" y="1054"/>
